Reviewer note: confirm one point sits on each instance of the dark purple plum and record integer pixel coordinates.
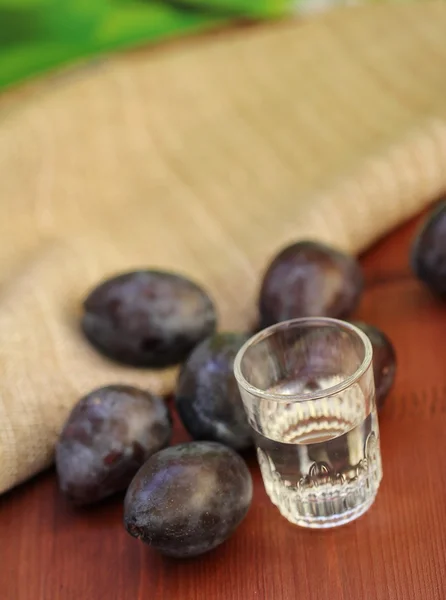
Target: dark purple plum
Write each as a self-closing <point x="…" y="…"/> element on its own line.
<point x="109" y="434"/>
<point x="428" y="255"/>
<point x="188" y="499"/>
<point x="309" y="279"/>
<point x="148" y="318"/>
<point x="207" y="397"/>
<point x="384" y="360"/>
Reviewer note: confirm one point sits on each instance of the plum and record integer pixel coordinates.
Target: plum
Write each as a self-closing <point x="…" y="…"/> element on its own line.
<point x="309" y="279"/>
<point x="207" y="397"/>
<point x="148" y="318"/>
<point x="384" y="360"/>
<point x="428" y="256"/>
<point x="188" y="499"/>
<point x="109" y="434"/>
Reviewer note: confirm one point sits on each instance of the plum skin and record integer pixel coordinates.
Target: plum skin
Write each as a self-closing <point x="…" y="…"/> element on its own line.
<point x="188" y="499"/>
<point x="147" y="318"/>
<point x="384" y="361"/>
<point x="109" y="434"/>
<point x="207" y="398"/>
<point x="428" y="254"/>
<point x="309" y="279"/>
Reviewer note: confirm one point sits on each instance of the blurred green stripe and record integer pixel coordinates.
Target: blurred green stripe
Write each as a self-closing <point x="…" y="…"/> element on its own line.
<point x="249" y="8"/>
<point x="37" y="36"/>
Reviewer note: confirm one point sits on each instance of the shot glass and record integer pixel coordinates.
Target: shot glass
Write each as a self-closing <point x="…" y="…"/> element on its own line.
<point x="308" y="390"/>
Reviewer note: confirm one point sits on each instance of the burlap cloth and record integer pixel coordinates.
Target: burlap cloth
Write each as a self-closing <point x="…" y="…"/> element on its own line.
<point x="204" y="157"/>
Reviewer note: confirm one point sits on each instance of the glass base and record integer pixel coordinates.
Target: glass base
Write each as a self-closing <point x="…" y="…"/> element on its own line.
<point x="332" y="520"/>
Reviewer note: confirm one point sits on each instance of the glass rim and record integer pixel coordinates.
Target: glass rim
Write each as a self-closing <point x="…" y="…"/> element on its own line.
<point x="316" y="395"/>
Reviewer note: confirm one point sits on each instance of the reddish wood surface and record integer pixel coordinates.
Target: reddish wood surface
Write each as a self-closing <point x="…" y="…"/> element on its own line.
<point x="50" y="551"/>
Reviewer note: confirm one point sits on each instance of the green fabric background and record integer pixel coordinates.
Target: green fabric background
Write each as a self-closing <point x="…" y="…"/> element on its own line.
<point x="37" y="35"/>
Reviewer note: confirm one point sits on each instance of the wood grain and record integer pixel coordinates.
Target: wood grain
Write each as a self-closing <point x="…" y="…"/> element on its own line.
<point x="49" y="551"/>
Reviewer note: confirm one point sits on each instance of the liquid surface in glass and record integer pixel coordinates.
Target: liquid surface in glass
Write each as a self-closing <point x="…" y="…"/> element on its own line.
<point x="320" y="459"/>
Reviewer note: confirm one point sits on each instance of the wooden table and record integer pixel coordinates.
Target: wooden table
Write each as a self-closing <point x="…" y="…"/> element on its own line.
<point x="50" y="551"/>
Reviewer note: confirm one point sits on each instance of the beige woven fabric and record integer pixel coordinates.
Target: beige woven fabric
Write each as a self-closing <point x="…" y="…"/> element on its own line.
<point x="204" y="157"/>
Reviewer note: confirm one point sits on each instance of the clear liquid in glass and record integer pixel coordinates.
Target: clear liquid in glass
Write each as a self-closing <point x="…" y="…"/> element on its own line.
<point x="320" y="459"/>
